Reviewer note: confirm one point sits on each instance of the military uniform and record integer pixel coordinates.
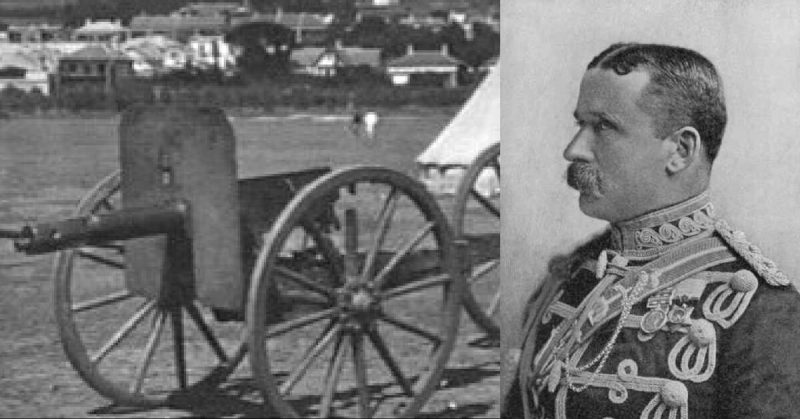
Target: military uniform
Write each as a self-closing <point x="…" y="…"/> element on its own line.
<point x="671" y="315"/>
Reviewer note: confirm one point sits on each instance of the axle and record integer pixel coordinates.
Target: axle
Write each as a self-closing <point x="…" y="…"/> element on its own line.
<point x="97" y="228"/>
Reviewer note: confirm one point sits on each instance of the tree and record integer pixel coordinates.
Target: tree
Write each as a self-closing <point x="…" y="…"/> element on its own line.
<point x="266" y="48"/>
<point x="485" y="45"/>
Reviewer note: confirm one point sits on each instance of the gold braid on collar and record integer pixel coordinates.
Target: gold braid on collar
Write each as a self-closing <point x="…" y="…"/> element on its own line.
<point x="652" y="234"/>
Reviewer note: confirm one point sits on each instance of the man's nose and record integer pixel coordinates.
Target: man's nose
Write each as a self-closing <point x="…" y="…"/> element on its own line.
<point x="579" y="148"/>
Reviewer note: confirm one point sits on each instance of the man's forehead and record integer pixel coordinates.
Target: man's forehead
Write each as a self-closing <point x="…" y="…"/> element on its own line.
<point x="604" y="92"/>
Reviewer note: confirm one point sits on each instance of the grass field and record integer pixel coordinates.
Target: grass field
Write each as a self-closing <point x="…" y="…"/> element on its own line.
<point x="46" y="165"/>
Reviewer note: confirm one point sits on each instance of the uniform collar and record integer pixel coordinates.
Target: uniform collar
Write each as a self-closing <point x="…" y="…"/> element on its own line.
<point x="652" y="234"/>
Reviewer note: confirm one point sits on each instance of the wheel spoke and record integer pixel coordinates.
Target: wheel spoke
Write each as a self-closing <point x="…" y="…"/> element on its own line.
<point x="494" y="304"/>
<point x="324" y="340"/>
<point x="384" y="222"/>
<point x="433" y="281"/>
<point x="111" y="246"/>
<point x="332" y="377"/>
<point x="100" y="259"/>
<point x="304" y="281"/>
<point x="495" y="163"/>
<point x="101" y="301"/>
<point x="287" y="326"/>
<point x="386" y="356"/>
<point x="480" y="271"/>
<point x="351" y="257"/>
<point x="360" y="369"/>
<point x="106" y="205"/>
<point x="402" y="324"/>
<point x="328" y="250"/>
<point x="177" y="344"/>
<point x="403" y="252"/>
<point x="488" y="204"/>
<point x="149" y="350"/>
<point x="301" y="297"/>
<point x="201" y="324"/>
<point x="123" y="331"/>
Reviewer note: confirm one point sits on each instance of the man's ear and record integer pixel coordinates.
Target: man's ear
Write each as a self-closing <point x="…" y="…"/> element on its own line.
<point x="685" y="147"/>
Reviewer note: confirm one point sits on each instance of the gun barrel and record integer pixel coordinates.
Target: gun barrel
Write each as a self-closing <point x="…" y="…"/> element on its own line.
<point x="97" y="228"/>
<point x="10" y="234"/>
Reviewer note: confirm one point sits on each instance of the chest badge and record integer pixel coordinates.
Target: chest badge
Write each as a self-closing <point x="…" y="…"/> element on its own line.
<point x="658" y="315"/>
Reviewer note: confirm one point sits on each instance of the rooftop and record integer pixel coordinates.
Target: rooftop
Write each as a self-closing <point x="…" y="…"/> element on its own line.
<point x="96" y="52"/>
<point x="101" y="26"/>
<point x="424" y="59"/>
<point x="291" y="20"/>
<point x="348" y="56"/>
<point x="19" y="60"/>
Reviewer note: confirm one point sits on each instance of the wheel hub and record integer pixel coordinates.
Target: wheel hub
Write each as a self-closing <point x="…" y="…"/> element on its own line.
<point x="358" y="303"/>
<point x="362" y="301"/>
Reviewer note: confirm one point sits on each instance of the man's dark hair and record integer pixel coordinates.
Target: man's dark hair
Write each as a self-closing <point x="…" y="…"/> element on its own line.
<point x="684" y="88"/>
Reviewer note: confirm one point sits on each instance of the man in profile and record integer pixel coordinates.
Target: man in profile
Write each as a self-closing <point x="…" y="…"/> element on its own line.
<point x="669" y="313"/>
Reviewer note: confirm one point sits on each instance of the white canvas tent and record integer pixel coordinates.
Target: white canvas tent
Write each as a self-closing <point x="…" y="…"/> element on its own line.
<point x="475" y="128"/>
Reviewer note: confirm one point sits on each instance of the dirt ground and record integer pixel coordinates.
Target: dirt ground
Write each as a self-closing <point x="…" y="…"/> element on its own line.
<point x="45" y="166"/>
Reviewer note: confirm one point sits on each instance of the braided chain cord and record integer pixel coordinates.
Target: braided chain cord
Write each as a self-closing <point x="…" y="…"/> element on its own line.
<point x="601" y="358"/>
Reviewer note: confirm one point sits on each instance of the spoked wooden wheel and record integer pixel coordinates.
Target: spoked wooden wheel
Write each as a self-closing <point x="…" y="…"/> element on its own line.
<point x="476" y="219"/>
<point x="355" y="298"/>
<point x="119" y="341"/>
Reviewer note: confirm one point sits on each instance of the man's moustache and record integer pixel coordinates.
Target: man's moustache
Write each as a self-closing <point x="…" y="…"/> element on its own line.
<point x="584" y="177"/>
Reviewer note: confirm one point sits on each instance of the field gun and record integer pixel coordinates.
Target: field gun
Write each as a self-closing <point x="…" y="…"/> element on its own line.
<point x="285" y="268"/>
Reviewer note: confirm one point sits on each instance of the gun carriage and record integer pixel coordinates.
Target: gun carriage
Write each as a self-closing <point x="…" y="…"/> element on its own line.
<point x="306" y="272"/>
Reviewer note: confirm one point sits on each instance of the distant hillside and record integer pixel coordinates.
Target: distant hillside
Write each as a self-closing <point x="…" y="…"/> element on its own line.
<point x="33" y="4"/>
<point x="77" y="10"/>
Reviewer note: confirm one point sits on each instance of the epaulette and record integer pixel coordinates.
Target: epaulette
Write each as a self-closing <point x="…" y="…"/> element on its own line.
<point x="764" y="266"/>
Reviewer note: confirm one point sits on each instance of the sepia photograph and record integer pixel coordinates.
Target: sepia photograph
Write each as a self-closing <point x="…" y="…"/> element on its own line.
<point x="649" y="232"/>
<point x="250" y="208"/>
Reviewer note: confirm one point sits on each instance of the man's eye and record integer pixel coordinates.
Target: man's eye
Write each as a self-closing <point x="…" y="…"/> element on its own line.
<point x="603" y="126"/>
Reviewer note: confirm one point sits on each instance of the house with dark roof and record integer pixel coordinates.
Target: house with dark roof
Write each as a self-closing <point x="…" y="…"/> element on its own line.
<point x="94" y="64"/>
<point x="424" y="67"/>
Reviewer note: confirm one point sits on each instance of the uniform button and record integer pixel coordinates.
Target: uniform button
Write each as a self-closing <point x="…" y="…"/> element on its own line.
<point x="743" y="281"/>
<point x="674" y="394"/>
<point x="702" y="333"/>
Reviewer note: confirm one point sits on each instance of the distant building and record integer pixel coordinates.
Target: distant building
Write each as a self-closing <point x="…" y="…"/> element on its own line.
<point x="101" y="31"/>
<point x="424" y="67"/>
<point x="308" y="29"/>
<point x="23" y="71"/>
<point x="424" y="21"/>
<point x="491" y="20"/>
<point x="212" y="9"/>
<point x="156" y="54"/>
<point x="212" y="52"/>
<point x="178" y="27"/>
<point x="94" y="64"/>
<point x="39" y="32"/>
<point x="387" y="11"/>
<point x="328" y="62"/>
<point x="432" y="14"/>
